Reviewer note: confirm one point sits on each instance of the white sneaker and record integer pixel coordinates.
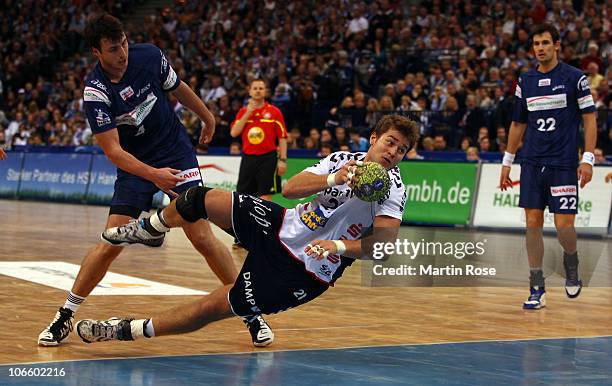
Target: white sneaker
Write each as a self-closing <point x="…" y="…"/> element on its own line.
<point x="133" y="232"/>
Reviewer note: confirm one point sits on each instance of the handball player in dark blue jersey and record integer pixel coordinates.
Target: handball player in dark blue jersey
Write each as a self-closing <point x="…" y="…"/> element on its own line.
<point x="127" y="107"/>
<point x="551" y="102"/>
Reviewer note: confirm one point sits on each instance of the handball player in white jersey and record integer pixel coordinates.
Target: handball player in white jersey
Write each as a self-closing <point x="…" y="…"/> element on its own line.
<point x="294" y="255"/>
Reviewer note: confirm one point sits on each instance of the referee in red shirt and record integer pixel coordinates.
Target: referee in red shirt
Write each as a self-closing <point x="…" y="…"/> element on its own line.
<point x="260" y="124"/>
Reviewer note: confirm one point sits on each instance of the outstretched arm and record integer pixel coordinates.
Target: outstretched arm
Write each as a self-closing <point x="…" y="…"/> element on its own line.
<point x="353" y="248"/>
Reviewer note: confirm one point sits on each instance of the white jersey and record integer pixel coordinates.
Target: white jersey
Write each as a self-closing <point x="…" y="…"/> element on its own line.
<point x="336" y="214"/>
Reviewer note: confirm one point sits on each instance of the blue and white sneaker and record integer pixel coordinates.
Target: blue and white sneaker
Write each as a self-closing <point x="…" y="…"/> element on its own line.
<point x="536" y="300"/>
<point x="573" y="285"/>
<point x="133" y="232"/>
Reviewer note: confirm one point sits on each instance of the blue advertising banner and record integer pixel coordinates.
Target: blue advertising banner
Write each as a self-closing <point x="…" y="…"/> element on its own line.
<point x="59" y="177"/>
<point x="9" y="175"/>
<point x="102" y="184"/>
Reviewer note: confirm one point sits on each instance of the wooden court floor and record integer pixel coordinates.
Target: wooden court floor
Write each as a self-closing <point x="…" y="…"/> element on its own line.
<point x="348" y="315"/>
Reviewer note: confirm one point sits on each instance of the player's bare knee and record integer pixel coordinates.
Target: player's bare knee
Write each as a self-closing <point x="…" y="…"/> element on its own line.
<point x="534" y="219"/>
<point x="191" y="204"/>
<point x="204" y="241"/>
<point x="564" y="222"/>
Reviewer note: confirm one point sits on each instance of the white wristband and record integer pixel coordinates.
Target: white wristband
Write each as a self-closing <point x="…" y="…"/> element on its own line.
<point x="508" y="159"/>
<point x="340" y="247"/>
<point x="588" y="158"/>
<point x="331" y="180"/>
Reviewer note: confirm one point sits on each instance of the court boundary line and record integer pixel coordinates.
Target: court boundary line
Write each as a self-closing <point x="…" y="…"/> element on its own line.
<point x="311" y="349"/>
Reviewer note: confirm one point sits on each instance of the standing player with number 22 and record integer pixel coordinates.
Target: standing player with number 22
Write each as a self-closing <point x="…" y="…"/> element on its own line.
<point x="550" y="102"/>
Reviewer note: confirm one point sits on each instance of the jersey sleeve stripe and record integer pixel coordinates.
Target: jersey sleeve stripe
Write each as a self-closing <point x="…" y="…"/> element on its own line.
<point x="518" y="93"/>
<point x="170" y="79"/>
<point x="91" y="94"/>
<point x="586" y="101"/>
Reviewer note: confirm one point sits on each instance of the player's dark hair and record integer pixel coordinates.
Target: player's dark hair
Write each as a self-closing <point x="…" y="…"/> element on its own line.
<point x="407" y="127"/>
<point x="102" y="26"/>
<point x="542" y="28"/>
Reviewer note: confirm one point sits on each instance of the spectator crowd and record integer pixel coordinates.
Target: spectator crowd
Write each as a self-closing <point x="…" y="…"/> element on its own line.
<point x="332" y="67"/>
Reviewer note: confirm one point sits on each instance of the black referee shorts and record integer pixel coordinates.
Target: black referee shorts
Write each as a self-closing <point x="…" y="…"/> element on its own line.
<point x="258" y="175"/>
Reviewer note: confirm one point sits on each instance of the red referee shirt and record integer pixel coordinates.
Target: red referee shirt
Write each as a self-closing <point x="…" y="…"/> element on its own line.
<point x="261" y="130"/>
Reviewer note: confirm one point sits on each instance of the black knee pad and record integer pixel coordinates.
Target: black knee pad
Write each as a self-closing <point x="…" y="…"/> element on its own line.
<point x="190" y="205"/>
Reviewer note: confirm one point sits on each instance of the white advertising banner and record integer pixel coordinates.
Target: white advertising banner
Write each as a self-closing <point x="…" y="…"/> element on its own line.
<point x="61" y="275"/>
<point x="217" y="172"/>
<point x="220" y="171"/>
<point x="495" y="208"/>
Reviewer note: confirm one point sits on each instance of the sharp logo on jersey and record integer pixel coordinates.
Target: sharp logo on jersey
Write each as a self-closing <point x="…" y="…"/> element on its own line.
<point x="547" y="102"/>
<point x="143" y="90"/>
<point x="99" y="85"/>
<point x="544" y="82"/>
<point x="102" y="118"/>
<point x="314" y="219"/>
<point x="138" y="115"/>
<point x="583" y="83"/>
<point x="189" y="175"/>
<point x="126" y="93"/>
<point x="559" y="87"/>
<point x="565" y="190"/>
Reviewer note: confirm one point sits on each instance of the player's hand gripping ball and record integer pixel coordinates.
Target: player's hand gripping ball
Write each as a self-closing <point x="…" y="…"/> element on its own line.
<point x="373" y="182"/>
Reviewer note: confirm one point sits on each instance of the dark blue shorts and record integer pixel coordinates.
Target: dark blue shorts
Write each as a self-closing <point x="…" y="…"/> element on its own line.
<point x="134" y="195"/>
<point x="543" y="186"/>
<point x="270" y="280"/>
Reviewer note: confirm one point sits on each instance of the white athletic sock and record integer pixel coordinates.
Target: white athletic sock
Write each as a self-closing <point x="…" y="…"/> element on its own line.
<point x="137" y="328"/>
<point x="149" y="331"/>
<point x="73" y="301"/>
<point x="157" y="223"/>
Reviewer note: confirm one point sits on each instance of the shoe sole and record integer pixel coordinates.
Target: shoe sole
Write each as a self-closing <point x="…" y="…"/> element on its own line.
<point x="539" y="306"/>
<point x="128" y="243"/>
<point x="47" y="343"/>
<point x="79" y="332"/>
<point x="263" y="344"/>
<point x="533" y="308"/>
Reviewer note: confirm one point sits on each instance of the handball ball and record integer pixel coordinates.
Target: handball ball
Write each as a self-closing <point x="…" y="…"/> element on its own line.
<point x="373" y="183"/>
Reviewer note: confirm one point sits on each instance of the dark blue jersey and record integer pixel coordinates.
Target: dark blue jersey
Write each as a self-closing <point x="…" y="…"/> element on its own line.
<point x="138" y="107"/>
<point x="552" y="104"/>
